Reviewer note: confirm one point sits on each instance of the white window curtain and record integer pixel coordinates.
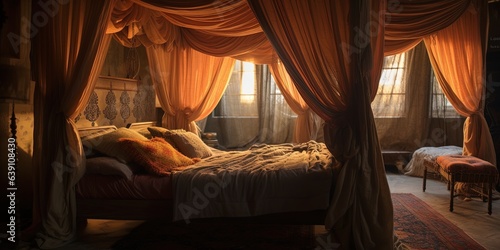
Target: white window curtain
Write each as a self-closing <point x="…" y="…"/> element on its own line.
<point x="276" y="118"/>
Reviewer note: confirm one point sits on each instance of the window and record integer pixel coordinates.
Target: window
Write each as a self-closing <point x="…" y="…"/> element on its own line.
<point x="440" y="106"/>
<point x="240" y="97"/>
<point x="390" y="99"/>
<point x="277" y="102"/>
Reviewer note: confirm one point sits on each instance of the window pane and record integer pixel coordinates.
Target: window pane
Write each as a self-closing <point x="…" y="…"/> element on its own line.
<point x="247" y="87"/>
<point x="239" y="99"/>
<point x="394" y="61"/>
<point x="440" y="107"/>
<point x="277" y="99"/>
<point x="391" y="81"/>
<point x="390" y="99"/>
<point x="388" y="106"/>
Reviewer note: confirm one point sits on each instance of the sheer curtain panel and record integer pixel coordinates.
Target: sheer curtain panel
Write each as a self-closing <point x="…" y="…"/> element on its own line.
<point x="308" y="125"/>
<point x="68" y="53"/>
<point x="188" y="83"/>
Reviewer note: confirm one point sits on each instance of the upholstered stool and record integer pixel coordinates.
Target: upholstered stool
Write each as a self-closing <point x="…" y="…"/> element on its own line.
<point x="467" y="169"/>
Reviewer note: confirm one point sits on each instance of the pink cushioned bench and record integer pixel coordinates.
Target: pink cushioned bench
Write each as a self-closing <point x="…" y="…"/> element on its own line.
<point x="467" y="169"/>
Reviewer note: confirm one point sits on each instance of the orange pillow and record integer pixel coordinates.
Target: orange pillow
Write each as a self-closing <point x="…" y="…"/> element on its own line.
<point x="156" y="155"/>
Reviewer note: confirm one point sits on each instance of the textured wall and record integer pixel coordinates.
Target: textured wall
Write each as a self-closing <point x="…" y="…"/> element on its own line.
<point x="118" y="100"/>
<point x="140" y="105"/>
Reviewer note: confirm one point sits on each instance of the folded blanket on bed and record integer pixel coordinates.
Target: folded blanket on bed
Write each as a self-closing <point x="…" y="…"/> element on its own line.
<point x="416" y="165"/>
<point x="261" y="180"/>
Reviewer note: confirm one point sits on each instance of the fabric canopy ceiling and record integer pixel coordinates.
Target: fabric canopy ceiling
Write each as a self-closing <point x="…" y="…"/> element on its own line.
<point x="217" y="28"/>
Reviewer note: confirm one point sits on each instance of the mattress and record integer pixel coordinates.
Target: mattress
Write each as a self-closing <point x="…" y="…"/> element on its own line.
<point x="262" y="180"/>
<point x="138" y="187"/>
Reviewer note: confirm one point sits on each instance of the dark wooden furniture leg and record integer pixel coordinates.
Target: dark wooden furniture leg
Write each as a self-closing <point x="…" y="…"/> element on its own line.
<point x="490" y="191"/>
<point x="425" y="178"/>
<point x="451" y="186"/>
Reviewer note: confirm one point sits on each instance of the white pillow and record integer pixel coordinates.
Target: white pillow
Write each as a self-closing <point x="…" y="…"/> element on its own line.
<point x="108" y="166"/>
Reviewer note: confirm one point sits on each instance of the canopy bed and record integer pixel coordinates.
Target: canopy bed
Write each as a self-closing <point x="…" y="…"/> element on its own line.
<point x="332" y="61"/>
<point x="290" y="181"/>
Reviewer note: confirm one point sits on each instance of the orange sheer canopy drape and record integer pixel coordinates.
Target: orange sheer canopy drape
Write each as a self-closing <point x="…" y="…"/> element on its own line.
<point x="68" y="53"/>
<point x="407" y="22"/>
<point x="189" y="84"/>
<point x="223" y="28"/>
<point x="462" y="75"/>
<point x="305" y="126"/>
<point x="331" y="66"/>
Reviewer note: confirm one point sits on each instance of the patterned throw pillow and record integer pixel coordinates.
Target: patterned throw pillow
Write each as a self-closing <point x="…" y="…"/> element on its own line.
<point x="189" y="144"/>
<point x="157" y="131"/>
<point x="107" y="144"/>
<point x="160" y="131"/>
<point x="145" y="132"/>
<point x="156" y="155"/>
<point x="89" y="139"/>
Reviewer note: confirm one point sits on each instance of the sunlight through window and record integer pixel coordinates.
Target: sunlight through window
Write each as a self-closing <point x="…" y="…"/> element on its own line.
<point x="390" y="99"/>
<point x="248" y="83"/>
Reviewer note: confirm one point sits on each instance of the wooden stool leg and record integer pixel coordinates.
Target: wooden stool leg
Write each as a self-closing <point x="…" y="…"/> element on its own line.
<point x="448" y="180"/>
<point x="484" y="191"/>
<point x="490" y="191"/>
<point x="452" y="190"/>
<point x="425" y="178"/>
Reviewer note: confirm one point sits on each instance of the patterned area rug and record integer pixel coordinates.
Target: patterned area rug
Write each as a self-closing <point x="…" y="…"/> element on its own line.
<point x="416" y="224"/>
<point x="419" y="226"/>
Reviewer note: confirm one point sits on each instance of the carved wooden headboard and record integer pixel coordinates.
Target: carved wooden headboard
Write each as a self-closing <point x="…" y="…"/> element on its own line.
<point x="140" y="125"/>
<point x="87" y="131"/>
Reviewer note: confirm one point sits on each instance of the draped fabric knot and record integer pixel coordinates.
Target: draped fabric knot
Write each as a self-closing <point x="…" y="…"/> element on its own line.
<point x="187" y="112"/>
<point x="180" y="120"/>
<point x="343" y="143"/>
<point x="476" y="114"/>
<point x="339" y="120"/>
<point x="68" y="157"/>
<point x="477" y="139"/>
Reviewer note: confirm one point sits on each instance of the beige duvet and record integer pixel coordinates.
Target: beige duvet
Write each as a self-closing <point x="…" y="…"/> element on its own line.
<point x="264" y="179"/>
